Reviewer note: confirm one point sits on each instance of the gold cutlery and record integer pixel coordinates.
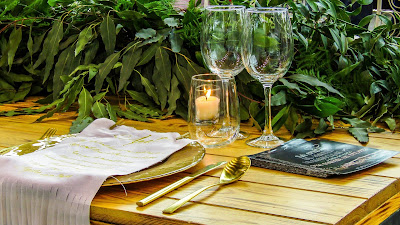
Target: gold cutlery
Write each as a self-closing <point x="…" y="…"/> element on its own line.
<point x="49" y="132"/>
<point x="178" y="183"/>
<point x="30" y="146"/>
<point x="232" y="172"/>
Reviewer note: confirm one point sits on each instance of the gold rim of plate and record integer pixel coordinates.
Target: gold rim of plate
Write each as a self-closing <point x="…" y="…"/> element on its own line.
<point x="179" y="161"/>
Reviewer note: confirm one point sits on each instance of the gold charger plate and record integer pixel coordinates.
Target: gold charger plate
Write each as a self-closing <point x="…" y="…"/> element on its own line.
<point x="179" y="161"/>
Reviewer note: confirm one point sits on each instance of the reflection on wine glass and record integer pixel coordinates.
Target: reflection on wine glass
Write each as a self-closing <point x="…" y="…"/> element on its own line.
<point x="267" y="55"/>
<point x="220" y="45"/>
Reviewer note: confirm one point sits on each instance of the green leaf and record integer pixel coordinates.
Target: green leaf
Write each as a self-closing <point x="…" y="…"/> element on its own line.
<point x="306" y="134"/>
<point x="244" y="114"/>
<point x="171" y="22"/>
<point x="7" y="91"/>
<point x="22" y="92"/>
<point x="29" y="44"/>
<point x="108" y="34"/>
<point x="183" y="76"/>
<point x="366" y="20"/>
<point x="129" y="62"/>
<point x="144" y="110"/>
<point x="85" y="101"/>
<point x="331" y="9"/>
<point x="150" y="89"/>
<point x="292" y="86"/>
<point x="304" y="126"/>
<point x="13" y="43"/>
<point x="99" y="110"/>
<point x="176" y="41"/>
<point x="280" y="118"/>
<point x="278" y="99"/>
<point x="37" y="42"/>
<point x="148" y="55"/>
<point x="173" y="95"/>
<point x="346" y="71"/>
<point x="67" y="62"/>
<point x="163" y="64"/>
<point x="314" y="82"/>
<point x="140" y="97"/>
<point x="375" y="130"/>
<point x="390" y="122"/>
<point x="83" y="39"/>
<point x="160" y="87"/>
<point x="322" y="126"/>
<point x="361" y="134"/>
<point x="326" y="106"/>
<point x="111" y="112"/>
<point x="382" y="111"/>
<point x="131" y="115"/>
<point x="146" y="33"/>
<point x="99" y="96"/>
<point x="79" y="124"/>
<point x="292" y="120"/>
<point x="91" y="52"/>
<point x="302" y="39"/>
<point x="357" y="123"/>
<point x="65" y="44"/>
<point x="73" y="93"/>
<point x="365" y="2"/>
<point x="105" y="69"/>
<point x="93" y="70"/>
<point x="313" y="6"/>
<point x="50" y="48"/>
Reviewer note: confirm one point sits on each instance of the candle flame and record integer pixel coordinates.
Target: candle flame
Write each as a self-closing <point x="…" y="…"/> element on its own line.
<point x="208" y="94"/>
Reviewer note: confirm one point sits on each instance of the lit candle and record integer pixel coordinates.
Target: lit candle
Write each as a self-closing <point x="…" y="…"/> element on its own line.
<point x="207" y="107"/>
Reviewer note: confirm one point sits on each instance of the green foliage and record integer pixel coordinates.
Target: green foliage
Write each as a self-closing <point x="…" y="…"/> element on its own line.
<point x="145" y="52"/>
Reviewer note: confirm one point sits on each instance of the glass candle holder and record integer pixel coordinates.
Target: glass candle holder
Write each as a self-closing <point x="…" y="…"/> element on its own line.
<point x="212" y="122"/>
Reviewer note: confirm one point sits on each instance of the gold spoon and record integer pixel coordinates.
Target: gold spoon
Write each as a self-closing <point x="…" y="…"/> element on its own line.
<point x="232" y="172"/>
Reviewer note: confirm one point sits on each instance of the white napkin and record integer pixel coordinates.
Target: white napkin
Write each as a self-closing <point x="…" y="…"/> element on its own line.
<point x="56" y="185"/>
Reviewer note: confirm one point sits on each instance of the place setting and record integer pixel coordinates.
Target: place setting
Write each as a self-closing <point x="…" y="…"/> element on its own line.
<point x="55" y="179"/>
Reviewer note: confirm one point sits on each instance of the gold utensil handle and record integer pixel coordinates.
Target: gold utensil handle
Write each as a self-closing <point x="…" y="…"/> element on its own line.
<point x="181" y="202"/>
<point x="164" y="191"/>
<point x="179" y="183"/>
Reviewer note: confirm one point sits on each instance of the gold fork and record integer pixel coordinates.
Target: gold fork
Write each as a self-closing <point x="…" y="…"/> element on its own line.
<point x="49" y="132"/>
<point x="29" y="147"/>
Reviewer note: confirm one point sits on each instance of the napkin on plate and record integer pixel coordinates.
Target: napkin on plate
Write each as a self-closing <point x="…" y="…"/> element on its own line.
<point x="57" y="184"/>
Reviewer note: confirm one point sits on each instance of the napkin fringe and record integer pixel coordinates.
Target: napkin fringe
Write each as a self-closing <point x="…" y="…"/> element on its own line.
<point x="38" y="205"/>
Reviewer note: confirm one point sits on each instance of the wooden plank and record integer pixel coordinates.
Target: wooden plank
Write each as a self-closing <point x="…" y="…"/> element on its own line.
<point x="112" y="206"/>
<point x="383" y="212"/>
<point x="281" y="201"/>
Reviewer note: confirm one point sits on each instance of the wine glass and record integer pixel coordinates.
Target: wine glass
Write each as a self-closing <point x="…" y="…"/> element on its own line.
<point x="267" y="52"/>
<point x="220" y="45"/>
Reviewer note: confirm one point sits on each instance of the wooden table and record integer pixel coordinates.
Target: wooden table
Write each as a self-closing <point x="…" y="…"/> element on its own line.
<point x="262" y="196"/>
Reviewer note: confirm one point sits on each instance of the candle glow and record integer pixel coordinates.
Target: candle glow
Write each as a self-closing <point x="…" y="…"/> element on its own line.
<point x="207" y="106"/>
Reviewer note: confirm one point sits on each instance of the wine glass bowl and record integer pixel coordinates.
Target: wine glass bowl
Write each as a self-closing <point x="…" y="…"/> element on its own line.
<point x="267" y="52"/>
<point x="221" y="38"/>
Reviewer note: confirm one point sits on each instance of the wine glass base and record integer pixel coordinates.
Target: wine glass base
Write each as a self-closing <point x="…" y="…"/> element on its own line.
<point x="242" y="135"/>
<point x="265" y="141"/>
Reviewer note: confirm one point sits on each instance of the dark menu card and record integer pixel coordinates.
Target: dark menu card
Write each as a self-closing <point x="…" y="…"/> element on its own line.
<point x="320" y="158"/>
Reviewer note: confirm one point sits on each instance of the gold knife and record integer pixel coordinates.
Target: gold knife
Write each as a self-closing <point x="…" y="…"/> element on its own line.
<point x="178" y="183"/>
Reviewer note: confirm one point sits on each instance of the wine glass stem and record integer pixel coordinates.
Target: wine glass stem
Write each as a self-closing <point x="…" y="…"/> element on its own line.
<point x="268" y="122"/>
<point x="225" y="87"/>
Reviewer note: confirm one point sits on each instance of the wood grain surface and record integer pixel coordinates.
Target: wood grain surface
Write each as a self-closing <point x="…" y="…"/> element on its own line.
<point x="261" y="196"/>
